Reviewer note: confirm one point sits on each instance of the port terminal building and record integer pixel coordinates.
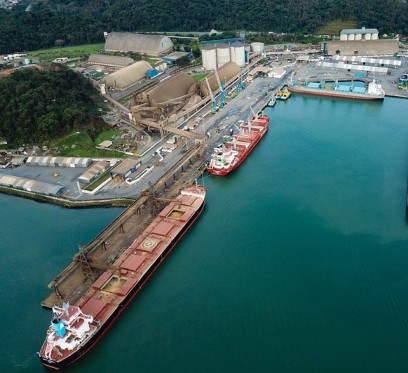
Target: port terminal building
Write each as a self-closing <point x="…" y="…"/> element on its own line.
<point x="125" y="168"/>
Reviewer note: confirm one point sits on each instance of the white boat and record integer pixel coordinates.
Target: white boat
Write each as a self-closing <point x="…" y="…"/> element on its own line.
<point x="272" y="102"/>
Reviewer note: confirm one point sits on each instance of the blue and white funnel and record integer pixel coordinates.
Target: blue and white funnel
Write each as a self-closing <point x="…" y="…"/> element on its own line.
<point x="59" y="327"/>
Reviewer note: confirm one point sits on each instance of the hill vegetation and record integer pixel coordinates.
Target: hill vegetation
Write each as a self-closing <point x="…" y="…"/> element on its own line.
<point x="58" y="22"/>
<point x="36" y="106"/>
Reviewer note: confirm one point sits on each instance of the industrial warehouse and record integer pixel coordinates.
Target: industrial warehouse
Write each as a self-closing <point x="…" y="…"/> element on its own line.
<point x="97" y="169"/>
<point x="31" y="185"/>
<point x="127" y="76"/>
<point x="59" y="161"/>
<point x="109" y="60"/>
<point x="362" y="42"/>
<point x="150" y="45"/>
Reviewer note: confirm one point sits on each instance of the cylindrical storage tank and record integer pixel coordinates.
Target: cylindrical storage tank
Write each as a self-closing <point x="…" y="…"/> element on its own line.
<point x="232" y="52"/>
<point x="257" y="47"/>
<point x="351" y="37"/>
<point x="358" y="37"/>
<point x="368" y="36"/>
<point x="209" y="55"/>
<point x="239" y="53"/>
<point x="223" y="54"/>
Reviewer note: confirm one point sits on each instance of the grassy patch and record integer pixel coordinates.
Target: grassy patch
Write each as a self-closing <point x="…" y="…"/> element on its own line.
<point x="92" y="152"/>
<point x="106" y="135"/>
<point x="151" y="60"/>
<point x="70" y="52"/>
<point x="77" y="138"/>
<point x="79" y="144"/>
<point x="199" y="77"/>
<point x="105" y="176"/>
<point x="334" y="27"/>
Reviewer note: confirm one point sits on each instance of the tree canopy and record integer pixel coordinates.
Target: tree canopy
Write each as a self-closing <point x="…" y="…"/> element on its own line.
<point x="36" y="106"/>
<point x="49" y="23"/>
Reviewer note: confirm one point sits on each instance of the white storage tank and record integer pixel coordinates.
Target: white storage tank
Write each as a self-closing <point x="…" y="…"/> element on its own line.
<point x="358" y="36"/>
<point x="223" y="54"/>
<point x="368" y="36"/>
<point x="351" y="37"/>
<point x="209" y="55"/>
<point x="232" y="52"/>
<point x="257" y="47"/>
<point x="238" y="55"/>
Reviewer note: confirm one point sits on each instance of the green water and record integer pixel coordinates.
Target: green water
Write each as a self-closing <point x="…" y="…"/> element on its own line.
<point x="298" y="264"/>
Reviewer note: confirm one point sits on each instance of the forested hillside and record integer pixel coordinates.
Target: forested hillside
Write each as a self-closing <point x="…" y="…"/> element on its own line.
<point x="83" y="21"/>
<point x="36" y="106"/>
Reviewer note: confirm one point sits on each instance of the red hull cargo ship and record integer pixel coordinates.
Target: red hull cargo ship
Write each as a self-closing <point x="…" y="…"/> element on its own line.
<point x="227" y="157"/>
<point x="373" y="91"/>
<point x="75" y="329"/>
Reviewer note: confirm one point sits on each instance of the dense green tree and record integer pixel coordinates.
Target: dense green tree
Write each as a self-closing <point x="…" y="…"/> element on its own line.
<point x="36" y="106"/>
<point x="84" y="21"/>
<point x="182" y="61"/>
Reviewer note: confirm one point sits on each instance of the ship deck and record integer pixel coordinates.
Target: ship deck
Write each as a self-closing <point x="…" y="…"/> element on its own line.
<point x="117" y="286"/>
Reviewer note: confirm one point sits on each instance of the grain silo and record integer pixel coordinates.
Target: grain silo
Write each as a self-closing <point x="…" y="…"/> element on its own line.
<point x="209" y="55"/>
<point x="238" y="53"/>
<point x="232" y="52"/>
<point x="257" y="47"/>
<point x="223" y="54"/>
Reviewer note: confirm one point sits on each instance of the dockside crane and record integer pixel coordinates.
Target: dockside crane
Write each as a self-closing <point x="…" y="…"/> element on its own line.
<point x="222" y="90"/>
<point x="214" y="101"/>
<point x="240" y="85"/>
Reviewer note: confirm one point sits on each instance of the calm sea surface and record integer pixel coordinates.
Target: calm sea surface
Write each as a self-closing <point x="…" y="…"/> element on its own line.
<point x="298" y="264"/>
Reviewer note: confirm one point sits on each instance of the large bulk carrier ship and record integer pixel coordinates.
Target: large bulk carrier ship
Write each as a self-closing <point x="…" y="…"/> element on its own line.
<point x="373" y="90"/>
<point x="227" y="157"/>
<point x="75" y="329"/>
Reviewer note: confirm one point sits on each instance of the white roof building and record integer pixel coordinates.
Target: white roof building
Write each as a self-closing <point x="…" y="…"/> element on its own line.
<point x="152" y="45"/>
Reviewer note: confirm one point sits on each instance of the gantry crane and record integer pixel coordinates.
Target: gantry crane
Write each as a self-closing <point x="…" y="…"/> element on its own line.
<point x="214" y="101"/>
<point x="222" y="90"/>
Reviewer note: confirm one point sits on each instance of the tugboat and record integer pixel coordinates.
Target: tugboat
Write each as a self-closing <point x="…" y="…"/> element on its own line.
<point x="285" y="95"/>
<point x="272" y="102"/>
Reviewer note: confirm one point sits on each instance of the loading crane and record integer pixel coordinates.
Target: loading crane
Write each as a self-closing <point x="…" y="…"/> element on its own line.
<point x="214" y="101"/>
<point x="222" y="90"/>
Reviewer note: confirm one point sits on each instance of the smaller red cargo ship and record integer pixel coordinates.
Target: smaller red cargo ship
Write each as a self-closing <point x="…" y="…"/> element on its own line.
<point x="227" y="157"/>
<point x="74" y="330"/>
